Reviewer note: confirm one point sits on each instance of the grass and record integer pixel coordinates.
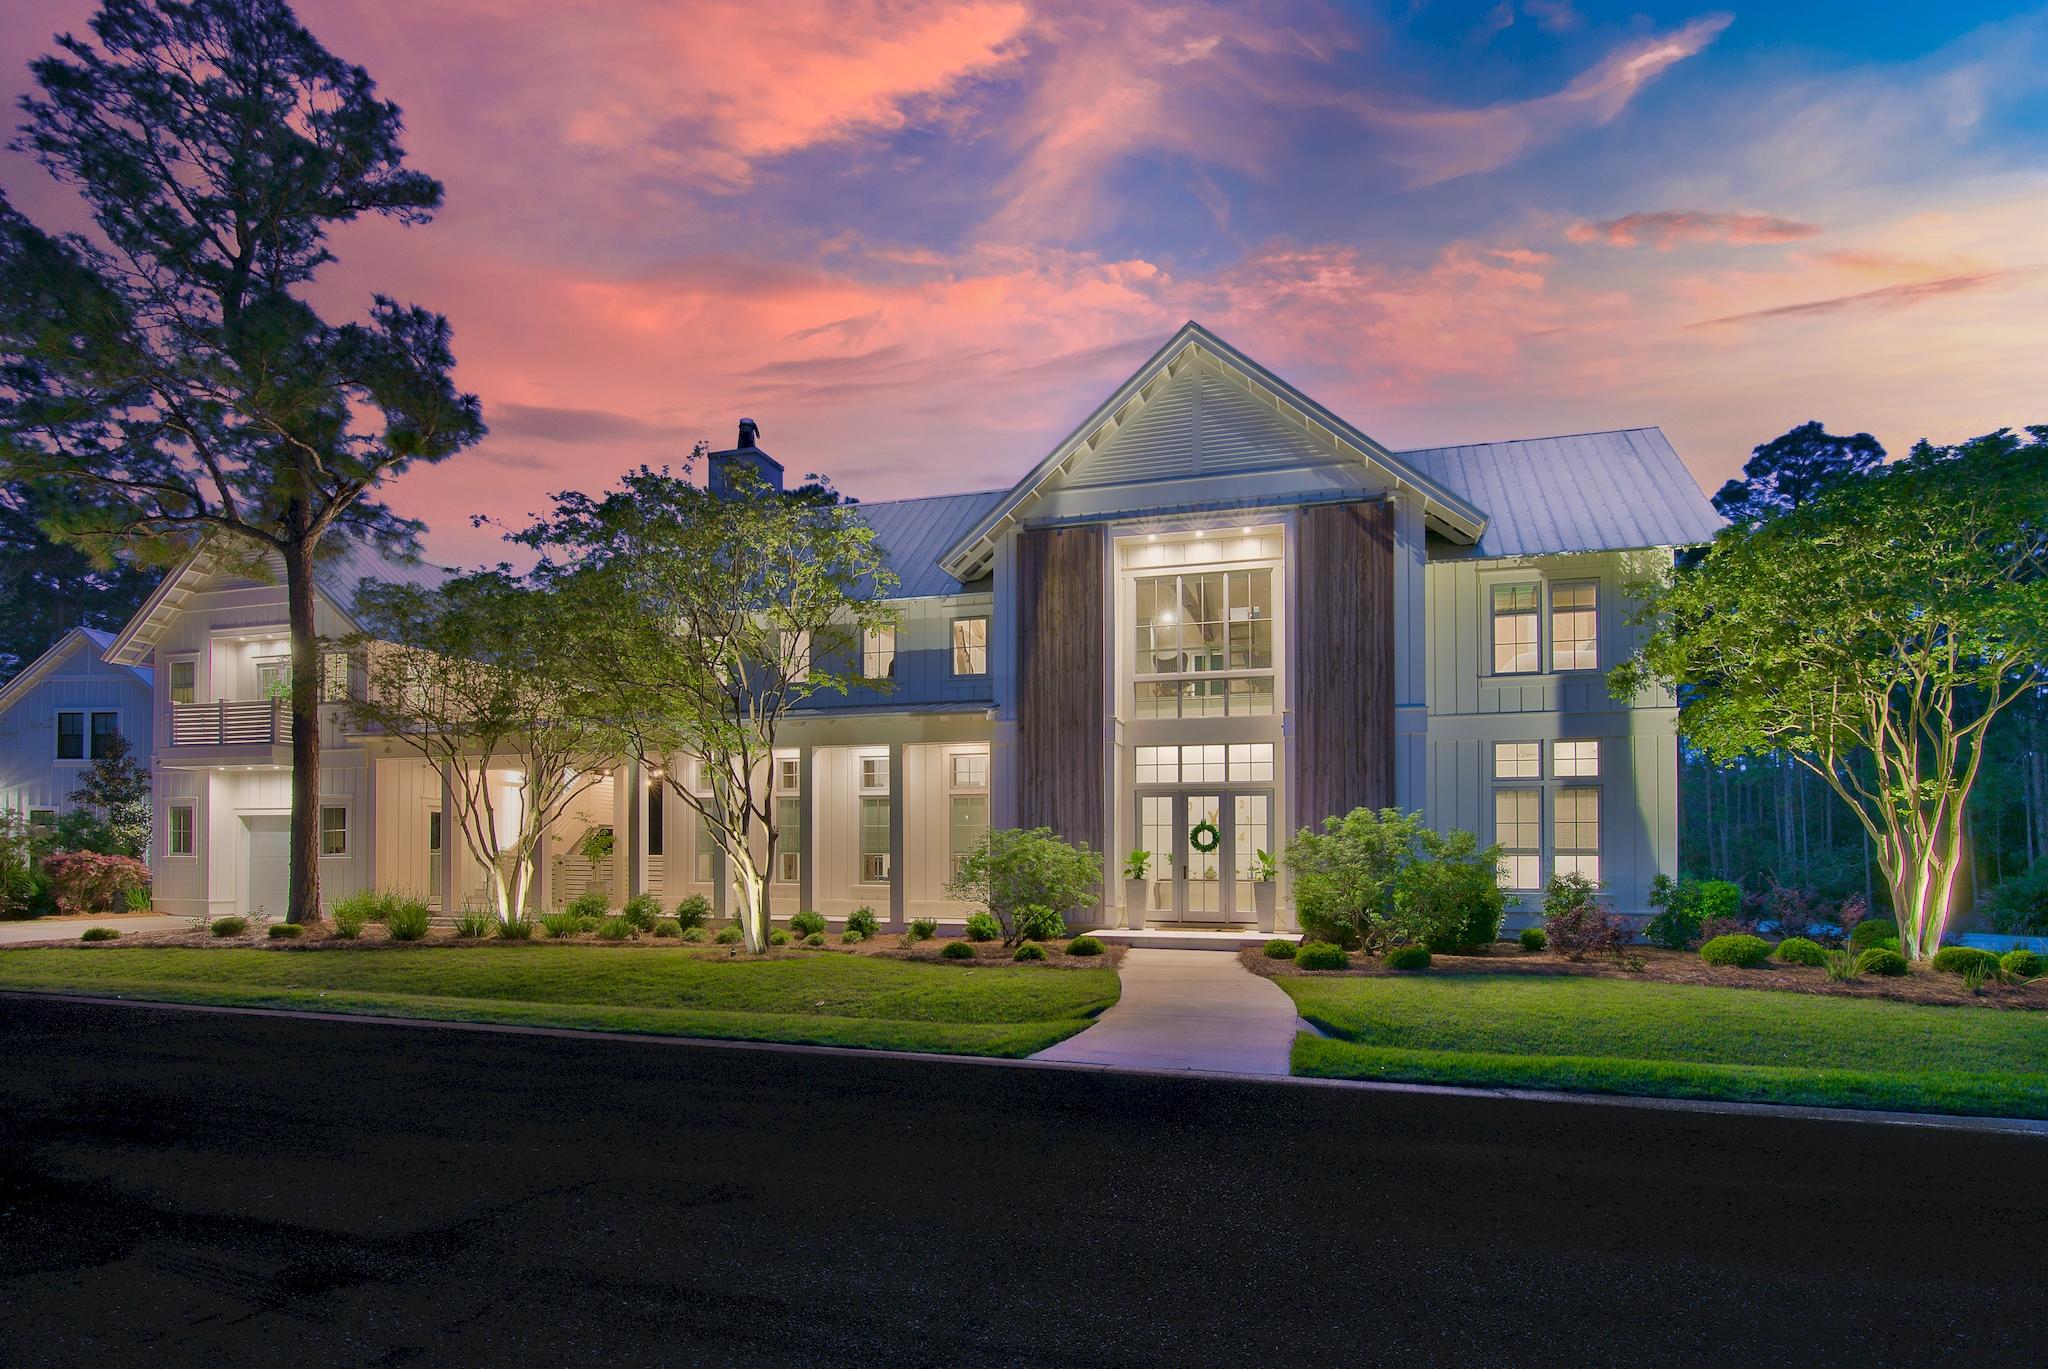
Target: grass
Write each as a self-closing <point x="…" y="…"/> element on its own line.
<point x="1674" y="1040"/>
<point x="832" y="1000"/>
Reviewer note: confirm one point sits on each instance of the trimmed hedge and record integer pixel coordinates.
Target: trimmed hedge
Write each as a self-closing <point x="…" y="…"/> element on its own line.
<point x="1084" y="945"/>
<point x="1740" y="949"/>
<point x="2020" y="963"/>
<point x="1408" y="958"/>
<point x="1279" y="948"/>
<point x="778" y="937"/>
<point x="1533" y="938"/>
<point x="983" y="927"/>
<point x="229" y="926"/>
<point x="1879" y="960"/>
<point x="815" y="939"/>
<point x="99" y="934"/>
<point x="1963" y="959"/>
<point x="286" y="931"/>
<point x="1029" y="950"/>
<point x="1797" y="950"/>
<point x="957" y="950"/>
<point x="1321" y="955"/>
<point x="1873" y="931"/>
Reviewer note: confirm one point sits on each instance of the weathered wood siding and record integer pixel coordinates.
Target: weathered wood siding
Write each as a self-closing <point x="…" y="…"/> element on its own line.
<point x="1344" y="661"/>
<point x="1061" y="661"/>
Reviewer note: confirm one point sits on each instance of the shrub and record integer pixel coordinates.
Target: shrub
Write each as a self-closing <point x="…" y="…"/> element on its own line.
<point x="229" y="926"/>
<point x="135" y="901"/>
<point x="2020" y="963"/>
<point x="666" y="927"/>
<point x="1028" y="950"/>
<point x="474" y="924"/>
<point x="806" y="922"/>
<point x="641" y="910"/>
<point x="1280" y="948"/>
<point x="778" y="937"/>
<point x="561" y="925"/>
<point x="589" y="903"/>
<point x="1727" y="926"/>
<point x="615" y="929"/>
<point x="1574" y="921"/>
<point x="1084" y="945"/>
<point x="1874" y="931"/>
<point x="1321" y="955"/>
<point x="1962" y="959"/>
<point x="815" y="939"/>
<point x="851" y="938"/>
<point x="99" y="934"/>
<point x="1036" y="923"/>
<point x="922" y="929"/>
<point x="1840" y="965"/>
<point x="729" y="936"/>
<point x="1685" y="905"/>
<point x="1880" y="960"/>
<point x="864" y="921"/>
<point x="1408" y="958"/>
<point x="514" y="929"/>
<point x="350" y="915"/>
<point x="1011" y="869"/>
<point x="1450" y="897"/>
<point x="286" y="931"/>
<point x="957" y="950"/>
<point x="407" y="919"/>
<point x="1797" y="950"/>
<point x="88" y="882"/>
<point x="1532" y="938"/>
<point x="692" y="934"/>
<point x="1741" y="949"/>
<point x="983" y="927"/>
<point x="693" y="911"/>
<point x="1346" y="876"/>
<point x="2018" y="906"/>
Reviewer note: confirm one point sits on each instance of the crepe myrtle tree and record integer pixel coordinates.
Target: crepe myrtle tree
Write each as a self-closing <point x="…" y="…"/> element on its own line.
<point x="700" y="621"/>
<point x="471" y="677"/>
<point x="166" y="382"/>
<point x="1872" y="634"/>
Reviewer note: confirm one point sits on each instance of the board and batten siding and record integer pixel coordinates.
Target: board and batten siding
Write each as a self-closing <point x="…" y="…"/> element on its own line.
<point x="31" y="776"/>
<point x="1344" y="661"/>
<point x="1061" y="662"/>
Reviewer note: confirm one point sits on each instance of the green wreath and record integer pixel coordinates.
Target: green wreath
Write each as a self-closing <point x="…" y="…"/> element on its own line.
<point x="1204" y="836"/>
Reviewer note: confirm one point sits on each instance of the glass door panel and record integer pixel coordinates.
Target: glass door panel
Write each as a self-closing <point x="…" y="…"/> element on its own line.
<point x="1203" y="900"/>
<point x="1155" y="834"/>
<point x="1250" y="834"/>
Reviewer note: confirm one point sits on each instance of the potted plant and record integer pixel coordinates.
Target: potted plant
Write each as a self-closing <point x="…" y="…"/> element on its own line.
<point x="1137" y="888"/>
<point x="1265" y="893"/>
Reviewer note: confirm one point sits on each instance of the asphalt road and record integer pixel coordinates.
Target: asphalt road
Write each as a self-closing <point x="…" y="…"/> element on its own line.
<point x="181" y="1187"/>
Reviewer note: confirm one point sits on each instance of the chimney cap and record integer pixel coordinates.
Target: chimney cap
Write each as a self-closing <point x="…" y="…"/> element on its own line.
<point x="750" y="433"/>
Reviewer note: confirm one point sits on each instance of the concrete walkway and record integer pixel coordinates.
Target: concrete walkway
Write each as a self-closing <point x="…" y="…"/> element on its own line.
<point x="1188" y="1010"/>
<point x="67" y="928"/>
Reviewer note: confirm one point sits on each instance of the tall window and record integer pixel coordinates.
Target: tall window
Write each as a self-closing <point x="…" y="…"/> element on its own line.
<point x="967" y="805"/>
<point x="1514" y="630"/>
<point x="1575" y="627"/>
<point x="970" y="646"/>
<point x="874" y="841"/>
<point x="656" y="807"/>
<point x="437" y="854"/>
<point x="789" y="839"/>
<point x="1204" y="645"/>
<point x="70" y="736"/>
<point x="705" y="862"/>
<point x="796" y="655"/>
<point x="1518" y="828"/>
<point x="178" y="833"/>
<point x="1575" y="831"/>
<point x="333" y="676"/>
<point x="184" y="681"/>
<point x="333" y="830"/>
<point x="878" y="653"/>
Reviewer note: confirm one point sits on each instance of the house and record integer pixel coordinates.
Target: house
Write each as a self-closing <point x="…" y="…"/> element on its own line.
<point x="1214" y="613"/>
<point x="57" y="715"/>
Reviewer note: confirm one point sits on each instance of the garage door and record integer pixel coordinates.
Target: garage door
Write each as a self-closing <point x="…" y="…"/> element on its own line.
<point x="268" y="886"/>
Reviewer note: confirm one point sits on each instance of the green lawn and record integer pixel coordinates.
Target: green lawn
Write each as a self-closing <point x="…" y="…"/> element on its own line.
<point x="1673" y="1040"/>
<point x="827" y="999"/>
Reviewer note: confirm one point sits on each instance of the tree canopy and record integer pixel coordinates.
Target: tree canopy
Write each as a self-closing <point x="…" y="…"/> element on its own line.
<point x="1792" y="470"/>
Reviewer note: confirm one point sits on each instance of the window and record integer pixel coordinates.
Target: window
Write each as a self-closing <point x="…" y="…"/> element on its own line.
<point x="656" y="806"/>
<point x="1252" y="764"/>
<point x="333" y="676"/>
<point x="1204" y="644"/>
<point x="789" y="773"/>
<point x="333" y="830"/>
<point x="874" y="774"/>
<point x="105" y="727"/>
<point x="42" y="817"/>
<point x="274" y="677"/>
<point x="1517" y="761"/>
<point x="970" y="646"/>
<point x="966" y="826"/>
<point x="1514" y="630"/>
<point x="699" y="775"/>
<point x="874" y="841"/>
<point x="184" y="682"/>
<point x="878" y="653"/>
<point x="76" y="725"/>
<point x="705" y="866"/>
<point x="1575" y="627"/>
<point x="70" y="736"/>
<point x="796" y="656"/>
<point x="789" y="839"/>
<point x="970" y="770"/>
<point x="436" y="856"/>
<point x="1518" y="828"/>
<point x="178" y="834"/>
<point x="1575" y="760"/>
<point x="1158" y="765"/>
<point x="1575" y="830"/>
<point x="1237" y="763"/>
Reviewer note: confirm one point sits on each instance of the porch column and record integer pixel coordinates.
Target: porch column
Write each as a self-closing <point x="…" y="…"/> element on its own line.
<point x="899" y="894"/>
<point x="452" y="842"/>
<point x="807" y="834"/>
<point x="629" y="839"/>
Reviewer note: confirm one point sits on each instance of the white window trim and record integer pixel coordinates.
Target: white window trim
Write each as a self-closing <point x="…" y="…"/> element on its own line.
<point x="861" y="853"/>
<point x="1547" y="635"/>
<point x="86" y="715"/>
<point x="953" y="646"/>
<point x="347" y="836"/>
<point x="880" y="790"/>
<point x="878" y="645"/>
<point x="1493" y="615"/>
<point x="192" y="830"/>
<point x="170" y="665"/>
<point x="796" y="651"/>
<point x="1128" y="652"/>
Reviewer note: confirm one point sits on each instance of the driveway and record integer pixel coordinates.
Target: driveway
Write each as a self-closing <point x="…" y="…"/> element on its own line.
<point x="1188" y="1010"/>
<point x="189" y="1187"/>
<point x="59" y="929"/>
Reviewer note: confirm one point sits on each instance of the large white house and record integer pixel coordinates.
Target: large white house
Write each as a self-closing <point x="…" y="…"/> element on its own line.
<point x="1214" y="613"/>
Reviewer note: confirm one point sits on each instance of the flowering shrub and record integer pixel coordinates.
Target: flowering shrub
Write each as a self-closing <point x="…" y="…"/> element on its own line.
<point x="1575" y="922"/>
<point x="88" y="882"/>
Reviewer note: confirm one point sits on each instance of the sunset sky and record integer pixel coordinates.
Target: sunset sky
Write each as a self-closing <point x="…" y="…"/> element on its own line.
<point x="919" y="241"/>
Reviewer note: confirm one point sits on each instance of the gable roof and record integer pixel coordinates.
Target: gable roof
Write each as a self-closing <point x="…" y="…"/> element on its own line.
<point x="1611" y="491"/>
<point x="1448" y="512"/>
<point x="61" y="650"/>
<point x="915" y="533"/>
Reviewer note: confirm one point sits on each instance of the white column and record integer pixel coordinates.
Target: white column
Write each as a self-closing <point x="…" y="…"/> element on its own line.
<point x="899" y="895"/>
<point x="629" y="842"/>
<point x="807" y="837"/>
<point x="452" y="843"/>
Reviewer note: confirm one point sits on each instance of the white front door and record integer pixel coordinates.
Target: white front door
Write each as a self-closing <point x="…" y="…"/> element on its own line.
<point x="267" y="888"/>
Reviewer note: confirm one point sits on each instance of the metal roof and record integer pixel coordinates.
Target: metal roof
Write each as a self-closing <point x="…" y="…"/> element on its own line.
<point x="345" y="563"/>
<point x="1612" y="491"/>
<point x="915" y="533"/>
<point x="33" y="674"/>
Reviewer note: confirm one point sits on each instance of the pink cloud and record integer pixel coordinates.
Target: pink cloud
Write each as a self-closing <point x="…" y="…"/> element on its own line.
<point x="1667" y="228"/>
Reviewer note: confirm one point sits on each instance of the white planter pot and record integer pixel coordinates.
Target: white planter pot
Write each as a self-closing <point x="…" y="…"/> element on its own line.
<point x="1266" y="898"/>
<point x="1135" y="893"/>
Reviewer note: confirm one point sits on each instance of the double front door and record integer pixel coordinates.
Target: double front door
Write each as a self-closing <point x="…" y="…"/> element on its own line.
<point x="1204" y="845"/>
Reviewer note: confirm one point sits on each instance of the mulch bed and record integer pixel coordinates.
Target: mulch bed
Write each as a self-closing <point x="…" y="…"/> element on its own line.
<point x="1918" y="985"/>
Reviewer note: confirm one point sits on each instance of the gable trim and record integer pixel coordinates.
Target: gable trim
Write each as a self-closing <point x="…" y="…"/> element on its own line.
<point x="44" y="666"/>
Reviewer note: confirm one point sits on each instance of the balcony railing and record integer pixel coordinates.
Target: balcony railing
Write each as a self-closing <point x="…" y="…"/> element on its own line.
<point x="228" y="722"/>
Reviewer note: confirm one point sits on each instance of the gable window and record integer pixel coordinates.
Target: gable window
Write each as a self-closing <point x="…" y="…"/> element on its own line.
<point x="333" y="830"/>
<point x="178" y="830"/>
<point x="333" y="676"/>
<point x="1514" y="630"/>
<point x="84" y="734"/>
<point x="789" y="839"/>
<point x="184" y="681"/>
<point x="1204" y="645"/>
<point x="1575" y="626"/>
<point x="970" y="646"/>
<point x="1575" y="760"/>
<point x="1518" y="829"/>
<point x="1517" y="761"/>
<point x="878" y="653"/>
<point x="1575" y="831"/>
<point x="70" y="736"/>
<point x="874" y="841"/>
<point x="796" y="656"/>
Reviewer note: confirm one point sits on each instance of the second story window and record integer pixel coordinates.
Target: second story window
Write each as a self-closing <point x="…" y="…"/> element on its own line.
<point x="1575" y="626"/>
<point x="1515" y="630"/>
<point x="333" y="676"/>
<point x="878" y="653"/>
<point x="1204" y="645"/>
<point x="184" y="682"/>
<point x="796" y="656"/>
<point x="970" y="646"/>
<point x="86" y="735"/>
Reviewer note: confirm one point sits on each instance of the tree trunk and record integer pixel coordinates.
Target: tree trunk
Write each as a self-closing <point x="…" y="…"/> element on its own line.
<point x="747" y="884"/>
<point x="303" y="902"/>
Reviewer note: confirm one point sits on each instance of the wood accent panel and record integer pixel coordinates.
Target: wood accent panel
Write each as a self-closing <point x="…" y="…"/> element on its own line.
<point x="1061" y="664"/>
<point x="1344" y="661"/>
